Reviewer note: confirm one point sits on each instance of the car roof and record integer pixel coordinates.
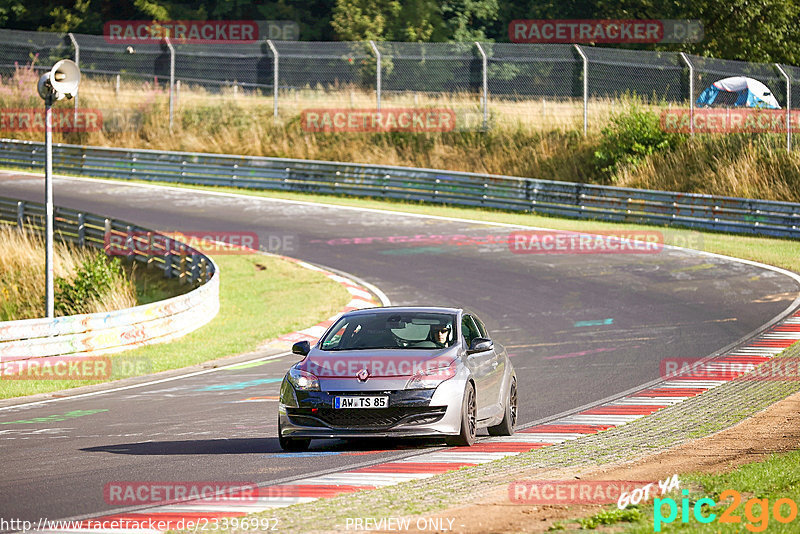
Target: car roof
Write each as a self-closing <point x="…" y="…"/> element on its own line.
<point x="404" y="309"/>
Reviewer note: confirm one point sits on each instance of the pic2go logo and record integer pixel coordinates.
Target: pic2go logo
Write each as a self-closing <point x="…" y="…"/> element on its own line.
<point x="756" y="511"/>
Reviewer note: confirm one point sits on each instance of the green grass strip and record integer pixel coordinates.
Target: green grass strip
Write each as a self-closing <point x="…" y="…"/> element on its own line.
<point x="777" y="477"/>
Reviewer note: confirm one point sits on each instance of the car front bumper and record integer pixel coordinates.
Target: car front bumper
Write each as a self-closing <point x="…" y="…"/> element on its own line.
<point x="411" y="413"/>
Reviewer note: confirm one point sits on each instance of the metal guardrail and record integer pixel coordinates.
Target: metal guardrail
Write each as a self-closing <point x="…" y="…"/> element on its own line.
<point x="565" y="199"/>
<point x="102" y="333"/>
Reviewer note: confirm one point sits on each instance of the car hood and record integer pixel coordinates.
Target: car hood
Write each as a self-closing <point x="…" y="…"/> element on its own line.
<point x="382" y="363"/>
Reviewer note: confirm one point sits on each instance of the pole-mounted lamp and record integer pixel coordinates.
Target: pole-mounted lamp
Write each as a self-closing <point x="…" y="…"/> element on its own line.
<point x="61" y="82"/>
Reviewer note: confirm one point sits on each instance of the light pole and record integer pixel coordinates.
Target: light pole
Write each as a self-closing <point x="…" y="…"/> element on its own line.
<point x="61" y="82"/>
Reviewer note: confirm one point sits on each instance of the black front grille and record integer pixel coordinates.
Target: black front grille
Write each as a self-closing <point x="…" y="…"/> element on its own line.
<point x="366" y="418"/>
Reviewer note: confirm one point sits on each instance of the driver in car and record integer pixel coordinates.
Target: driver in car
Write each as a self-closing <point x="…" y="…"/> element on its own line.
<point x="440" y="335"/>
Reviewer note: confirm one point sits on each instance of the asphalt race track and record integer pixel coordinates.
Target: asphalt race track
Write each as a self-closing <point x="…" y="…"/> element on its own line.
<point x="579" y="328"/>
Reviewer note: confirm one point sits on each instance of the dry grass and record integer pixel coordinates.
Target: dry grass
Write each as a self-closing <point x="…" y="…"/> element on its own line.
<point x="732" y="165"/>
<point x="532" y="138"/>
<point x="22" y="277"/>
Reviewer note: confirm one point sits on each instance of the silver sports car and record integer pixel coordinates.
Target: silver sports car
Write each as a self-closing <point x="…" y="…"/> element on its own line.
<point x="401" y="372"/>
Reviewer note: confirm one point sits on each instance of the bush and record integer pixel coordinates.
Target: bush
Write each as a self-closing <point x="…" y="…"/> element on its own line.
<point x="632" y="136"/>
<point x="92" y="282"/>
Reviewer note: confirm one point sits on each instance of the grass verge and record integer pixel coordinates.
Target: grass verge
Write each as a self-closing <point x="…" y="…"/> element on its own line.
<point x="261" y="297"/>
<point x="758" y="487"/>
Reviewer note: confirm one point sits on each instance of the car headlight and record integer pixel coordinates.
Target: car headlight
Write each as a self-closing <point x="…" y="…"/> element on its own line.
<point x="302" y="379"/>
<point x="431" y="378"/>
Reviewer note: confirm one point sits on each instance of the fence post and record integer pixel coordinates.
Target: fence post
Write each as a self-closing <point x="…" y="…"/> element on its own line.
<point x="691" y="91"/>
<point x="378" y="69"/>
<point x="485" y="102"/>
<point x="788" y="107"/>
<point x="585" y="88"/>
<point x="274" y="78"/>
<point x="20" y="214"/>
<point x="171" y="79"/>
<point x="78" y="63"/>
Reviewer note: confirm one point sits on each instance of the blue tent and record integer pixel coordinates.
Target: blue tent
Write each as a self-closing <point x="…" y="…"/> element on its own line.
<point x="750" y="93"/>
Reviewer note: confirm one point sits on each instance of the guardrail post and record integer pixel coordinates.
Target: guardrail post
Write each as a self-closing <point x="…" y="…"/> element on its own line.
<point x="78" y="63"/>
<point x="203" y="270"/>
<point x="274" y="78"/>
<point x="585" y="88"/>
<point x="691" y="91"/>
<point x="107" y="236"/>
<point x="81" y="229"/>
<point x="171" y="78"/>
<point x="168" y="260"/>
<point x="149" y="248"/>
<point x="131" y="253"/>
<point x="182" y="271"/>
<point x="485" y="99"/>
<point x="193" y="268"/>
<point x="116" y="87"/>
<point x="378" y="72"/>
<point x="788" y="107"/>
<point x="20" y="214"/>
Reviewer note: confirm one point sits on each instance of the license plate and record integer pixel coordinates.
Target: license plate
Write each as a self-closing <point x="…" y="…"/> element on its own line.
<point x="360" y="402"/>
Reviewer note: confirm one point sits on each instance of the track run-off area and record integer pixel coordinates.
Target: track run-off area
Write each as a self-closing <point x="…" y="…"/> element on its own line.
<point x="580" y="329"/>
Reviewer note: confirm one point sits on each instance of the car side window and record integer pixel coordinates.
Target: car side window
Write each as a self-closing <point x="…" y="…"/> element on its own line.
<point x="334" y="341"/>
<point x="468" y="329"/>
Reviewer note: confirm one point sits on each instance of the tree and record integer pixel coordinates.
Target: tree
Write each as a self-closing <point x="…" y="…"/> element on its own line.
<point x="468" y="20"/>
<point x="364" y="20"/>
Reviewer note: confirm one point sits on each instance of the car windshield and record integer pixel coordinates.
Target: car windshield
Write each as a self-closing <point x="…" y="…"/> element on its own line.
<point x="384" y="330"/>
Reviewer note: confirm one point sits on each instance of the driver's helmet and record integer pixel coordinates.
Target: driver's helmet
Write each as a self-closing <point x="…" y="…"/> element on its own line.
<point x="441" y="327"/>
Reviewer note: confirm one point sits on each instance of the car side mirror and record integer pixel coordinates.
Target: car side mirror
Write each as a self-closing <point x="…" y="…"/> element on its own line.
<point x="302" y="348"/>
<point x="480" y="344"/>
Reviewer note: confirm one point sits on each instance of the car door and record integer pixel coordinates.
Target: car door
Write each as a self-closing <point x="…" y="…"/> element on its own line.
<point x="480" y="365"/>
<point x="498" y="368"/>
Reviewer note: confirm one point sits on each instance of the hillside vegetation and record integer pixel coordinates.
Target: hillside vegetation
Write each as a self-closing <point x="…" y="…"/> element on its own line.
<point x="85" y="280"/>
<point x="625" y="145"/>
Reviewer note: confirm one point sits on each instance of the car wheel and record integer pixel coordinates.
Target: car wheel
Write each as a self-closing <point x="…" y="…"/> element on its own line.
<point x="292" y="444"/>
<point x="469" y="420"/>
<point x="506" y="426"/>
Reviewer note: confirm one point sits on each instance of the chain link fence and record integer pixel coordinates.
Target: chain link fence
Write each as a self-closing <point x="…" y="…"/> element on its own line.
<point x="539" y="85"/>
